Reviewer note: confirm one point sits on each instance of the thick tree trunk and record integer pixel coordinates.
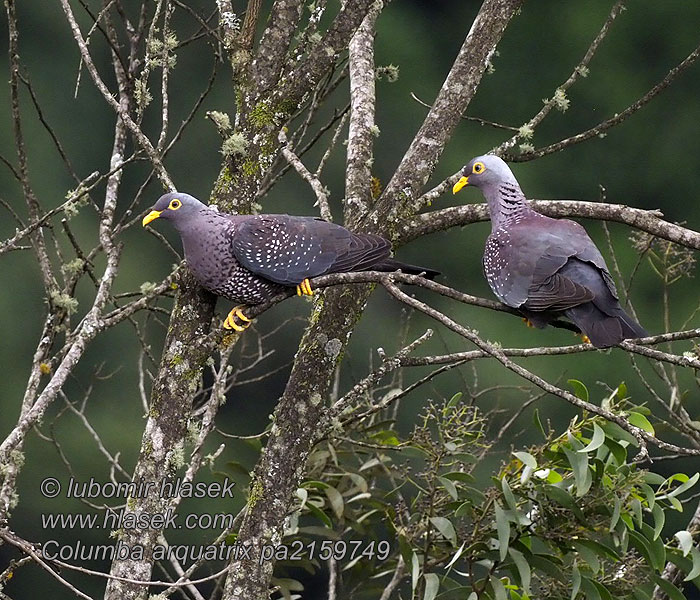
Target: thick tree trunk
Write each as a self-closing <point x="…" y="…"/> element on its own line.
<point x="180" y="369"/>
<point x="335" y="314"/>
<point x="294" y="431"/>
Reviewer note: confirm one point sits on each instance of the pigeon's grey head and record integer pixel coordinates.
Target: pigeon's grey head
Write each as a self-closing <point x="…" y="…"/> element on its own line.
<point x="174" y="207"/>
<point x="484" y="172"/>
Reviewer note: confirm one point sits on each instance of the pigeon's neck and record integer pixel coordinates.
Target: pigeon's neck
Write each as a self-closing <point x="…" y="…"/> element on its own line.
<point x="507" y="204"/>
<point x="192" y="232"/>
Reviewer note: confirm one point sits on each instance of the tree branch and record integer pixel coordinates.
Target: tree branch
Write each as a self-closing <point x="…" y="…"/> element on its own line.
<point x="358" y="170"/>
<point x="608" y="123"/>
<point x="646" y="220"/>
<point x="143" y="141"/>
<point x="457" y="91"/>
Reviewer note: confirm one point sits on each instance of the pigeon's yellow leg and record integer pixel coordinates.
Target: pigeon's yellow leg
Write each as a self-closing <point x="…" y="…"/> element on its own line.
<point x="584" y="338"/>
<point x="527" y="322"/>
<point x="304" y="288"/>
<point x="236" y="313"/>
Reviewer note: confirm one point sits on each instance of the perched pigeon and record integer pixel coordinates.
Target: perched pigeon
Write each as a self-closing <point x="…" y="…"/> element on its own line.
<point x="545" y="267"/>
<point x="251" y="258"/>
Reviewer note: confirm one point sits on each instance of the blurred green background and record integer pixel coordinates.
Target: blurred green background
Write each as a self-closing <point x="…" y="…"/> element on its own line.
<point x="650" y="162"/>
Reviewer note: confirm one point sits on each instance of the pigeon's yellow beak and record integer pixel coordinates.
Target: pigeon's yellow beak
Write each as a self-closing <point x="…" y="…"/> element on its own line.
<point x="460" y="184"/>
<point x="151" y="216"/>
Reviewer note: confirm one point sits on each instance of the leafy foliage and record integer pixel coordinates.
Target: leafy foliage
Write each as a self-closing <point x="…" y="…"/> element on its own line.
<point x="573" y="517"/>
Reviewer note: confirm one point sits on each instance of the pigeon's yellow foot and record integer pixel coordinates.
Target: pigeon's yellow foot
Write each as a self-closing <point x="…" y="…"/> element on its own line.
<point x="236" y="313"/>
<point x="585" y="339"/>
<point x="527" y="322"/>
<point x="304" y="288"/>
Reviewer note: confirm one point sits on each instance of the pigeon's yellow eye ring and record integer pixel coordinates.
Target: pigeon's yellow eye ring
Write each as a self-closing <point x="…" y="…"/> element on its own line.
<point x="478" y="168"/>
<point x="174" y="204"/>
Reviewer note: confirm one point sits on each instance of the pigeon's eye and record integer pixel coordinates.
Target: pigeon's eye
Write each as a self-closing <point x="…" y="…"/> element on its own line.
<point x="174" y="204"/>
<point x="478" y="168"/>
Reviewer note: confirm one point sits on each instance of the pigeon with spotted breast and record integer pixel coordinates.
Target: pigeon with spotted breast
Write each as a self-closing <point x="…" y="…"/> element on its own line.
<point x="546" y="268"/>
<point x="251" y="258"/>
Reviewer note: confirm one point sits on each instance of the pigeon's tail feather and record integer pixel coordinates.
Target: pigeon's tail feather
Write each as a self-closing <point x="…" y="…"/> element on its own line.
<point x="605" y="330"/>
<point x="630" y="328"/>
<point x="389" y="264"/>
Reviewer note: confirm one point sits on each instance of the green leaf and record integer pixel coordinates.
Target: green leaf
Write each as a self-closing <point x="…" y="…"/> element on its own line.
<point x="595" y="591"/>
<point x="591" y="591"/>
<point x="659" y="520"/>
<point x="477" y="496"/>
<point x="499" y="590"/>
<point x="456" y="556"/>
<point x="580" y="390"/>
<point x="463" y="509"/>
<point x="641" y="544"/>
<point x="565" y="499"/>
<point x="503" y="529"/>
<point x="600" y="548"/>
<point x="541" y="562"/>
<point x="695" y="572"/>
<point x="656" y="547"/>
<point x="526" y="458"/>
<point x="686" y="485"/>
<point x="405" y="549"/>
<point x="639" y="420"/>
<point x="582" y="476"/>
<point x="618" y="451"/>
<point x="508" y="495"/>
<point x="653" y="552"/>
<point x="415" y="571"/>
<point x="467" y="457"/>
<point x="359" y="481"/>
<point x="445" y="527"/>
<point x="589" y="556"/>
<point x="537" y="422"/>
<point x="459" y="476"/>
<point x="554" y="477"/>
<point x="386" y="437"/>
<point x="288" y="585"/>
<point x="319" y="514"/>
<point x="598" y="471"/>
<point x="602" y="590"/>
<point x="336" y="500"/>
<point x="627" y="520"/>
<point x="622" y="391"/>
<point x="523" y="569"/>
<point x="450" y="487"/>
<point x="454" y="400"/>
<point x="529" y="465"/>
<point x="319" y="485"/>
<point x="669" y="589"/>
<point x="649" y="494"/>
<point x="653" y="478"/>
<point x="596" y="441"/>
<point x="575" y="582"/>
<point x="685" y="541"/>
<point x="617" y="507"/>
<point x="432" y="585"/>
<point x="636" y="507"/>
<point x="615" y="432"/>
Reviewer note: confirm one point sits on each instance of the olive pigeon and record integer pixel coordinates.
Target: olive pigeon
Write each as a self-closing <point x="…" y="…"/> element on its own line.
<point x="251" y="258"/>
<point x="545" y="267"/>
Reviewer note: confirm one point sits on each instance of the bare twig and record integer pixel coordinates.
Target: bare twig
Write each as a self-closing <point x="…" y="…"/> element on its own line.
<point x="310" y="178"/>
<point x="579" y="70"/>
<point x="145" y="143"/>
<point x="603" y="126"/>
